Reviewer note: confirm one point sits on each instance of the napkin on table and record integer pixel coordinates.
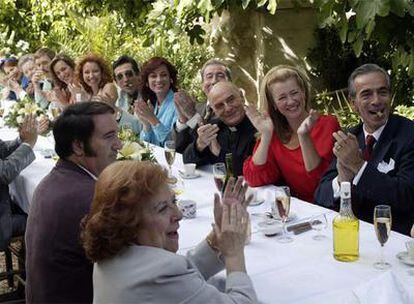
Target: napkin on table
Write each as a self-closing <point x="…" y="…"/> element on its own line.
<point x="384" y="289"/>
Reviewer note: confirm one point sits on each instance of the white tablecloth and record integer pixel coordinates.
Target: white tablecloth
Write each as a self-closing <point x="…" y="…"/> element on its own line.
<point x="303" y="271"/>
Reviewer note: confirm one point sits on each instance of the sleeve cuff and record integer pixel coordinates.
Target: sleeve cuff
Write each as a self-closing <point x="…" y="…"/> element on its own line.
<point x="359" y="174"/>
<point x="336" y="189"/>
<point x="193" y="122"/>
<point x="179" y="126"/>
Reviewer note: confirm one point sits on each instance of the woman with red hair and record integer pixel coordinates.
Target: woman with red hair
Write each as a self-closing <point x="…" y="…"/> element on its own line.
<point x="94" y="75"/>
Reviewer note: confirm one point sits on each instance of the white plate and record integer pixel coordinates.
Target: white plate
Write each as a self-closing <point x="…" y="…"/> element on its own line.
<point x="188" y="176"/>
<point x="403" y="257"/>
<point x="256" y="202"/>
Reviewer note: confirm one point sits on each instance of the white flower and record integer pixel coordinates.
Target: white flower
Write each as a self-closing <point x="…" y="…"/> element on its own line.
<point x="20" y="119"/>
<point x="131" y="150"/>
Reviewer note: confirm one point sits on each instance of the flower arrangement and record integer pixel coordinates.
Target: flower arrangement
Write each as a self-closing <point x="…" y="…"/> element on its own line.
<point x="20" y="109"/>
<point x="133" y="148"/>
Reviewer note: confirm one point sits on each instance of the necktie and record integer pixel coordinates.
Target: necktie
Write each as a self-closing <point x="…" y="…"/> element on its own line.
<point x="369" y="144"/>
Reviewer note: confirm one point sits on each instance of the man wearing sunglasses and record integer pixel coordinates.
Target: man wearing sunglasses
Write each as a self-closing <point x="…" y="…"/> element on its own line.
<point x="126" y="75"/>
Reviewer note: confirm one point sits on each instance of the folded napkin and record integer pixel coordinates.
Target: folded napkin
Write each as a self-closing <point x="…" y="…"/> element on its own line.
<point x="384" y="289"/>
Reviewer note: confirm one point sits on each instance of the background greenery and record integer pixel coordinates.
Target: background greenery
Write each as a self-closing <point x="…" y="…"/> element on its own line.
<point x="351" y="32"/>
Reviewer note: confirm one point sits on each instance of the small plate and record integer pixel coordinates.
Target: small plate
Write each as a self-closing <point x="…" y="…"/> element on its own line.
<point x="269" y="228"/>
<point x="404" y="258"/>
<point x="256" y="202"/>
<point x="188" y="176"/>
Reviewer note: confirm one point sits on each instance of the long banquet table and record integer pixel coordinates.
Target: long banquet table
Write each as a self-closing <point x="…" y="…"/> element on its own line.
<point x="303" y="271"/>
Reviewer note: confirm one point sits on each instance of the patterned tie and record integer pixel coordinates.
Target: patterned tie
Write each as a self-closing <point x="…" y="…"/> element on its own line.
<point x="369" y="144"/>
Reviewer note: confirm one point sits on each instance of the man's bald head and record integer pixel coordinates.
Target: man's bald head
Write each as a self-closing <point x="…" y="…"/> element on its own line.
<point x="226" y="100"/>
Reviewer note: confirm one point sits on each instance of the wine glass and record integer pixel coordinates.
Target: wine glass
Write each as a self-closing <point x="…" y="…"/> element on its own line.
<point x="54" y="110"/>
<point x="219" y="173"/>
<point x="169" y="152"/>
<point x="319" y="223"/>
<point x="382" y="225"/>
<point x="282" y="206"/>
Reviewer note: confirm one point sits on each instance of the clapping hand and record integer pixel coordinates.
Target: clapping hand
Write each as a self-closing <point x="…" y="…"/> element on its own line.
<point x="76" y="90"/>
<point x="206" y="133"/>
<point x="261" y="121"/>
<point x="43" y="125"/>
<point x="309" y="122"/>
<point x="235" y="193"/>
<point x="347" y="151"/>
<point x="28" y="130"/>
<point x="145" y="112"/>
<point x="185" y="106"/>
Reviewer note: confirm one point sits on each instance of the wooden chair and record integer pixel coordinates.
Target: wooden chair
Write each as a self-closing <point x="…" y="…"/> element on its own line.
<point x="15" y="248"/>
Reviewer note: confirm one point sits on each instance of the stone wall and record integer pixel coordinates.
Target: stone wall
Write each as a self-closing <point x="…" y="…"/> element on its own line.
<point x="253" y="41"/>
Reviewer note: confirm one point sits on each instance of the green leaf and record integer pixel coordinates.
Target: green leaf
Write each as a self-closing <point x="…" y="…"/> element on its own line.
<point x="272" y="6"/>
<point x="205" y="6"/>
<point x="357" y="45"/>
<point x="245" y="3"/>
<point x="366" y="10"/>
<point x="400" y="7"/>
<point x="369" y="28"/>
<point x="343" y="30"/>
<point x="261" y="3"/>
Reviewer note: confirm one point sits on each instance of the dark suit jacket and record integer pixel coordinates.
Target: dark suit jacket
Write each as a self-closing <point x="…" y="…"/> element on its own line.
<point x="14" y="157"/>
<point x="57" y="268"/>
<point x="187" y="136"/>
<point x="240" y="143"/>
<point x="394" y="188"/>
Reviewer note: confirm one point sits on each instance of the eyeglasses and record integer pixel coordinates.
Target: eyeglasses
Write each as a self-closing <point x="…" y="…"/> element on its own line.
<point x="127" y="74"/>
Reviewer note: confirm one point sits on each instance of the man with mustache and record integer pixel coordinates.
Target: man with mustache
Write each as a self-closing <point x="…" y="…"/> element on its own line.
<point x="377" y="156"/>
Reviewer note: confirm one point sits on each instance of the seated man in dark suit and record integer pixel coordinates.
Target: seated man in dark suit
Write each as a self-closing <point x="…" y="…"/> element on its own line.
<point x="15" y="156"/>
<point x="191" y="114"/>
<point x="377" y="156"/>
<point x="232" y="132"/>
<point x="86" y="140"/>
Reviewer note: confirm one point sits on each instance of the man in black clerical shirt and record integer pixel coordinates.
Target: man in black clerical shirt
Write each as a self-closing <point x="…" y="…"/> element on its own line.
<point x="232" y="132"/>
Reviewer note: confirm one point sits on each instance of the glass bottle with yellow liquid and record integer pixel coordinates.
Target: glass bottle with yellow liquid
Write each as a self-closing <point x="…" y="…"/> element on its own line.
<point x="346" y="229"/>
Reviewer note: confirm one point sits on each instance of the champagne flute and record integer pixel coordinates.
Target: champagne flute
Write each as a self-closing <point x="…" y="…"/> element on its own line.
<point x="282" y="206"/>
<point x="382" y="225"/>
<point x="319" y="223"/>
<point x="169" y="152"/>
<point x="219" y="173"/>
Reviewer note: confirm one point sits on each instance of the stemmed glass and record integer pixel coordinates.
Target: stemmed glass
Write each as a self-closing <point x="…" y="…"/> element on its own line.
<point x="219" y="173"/>
<point x="382" y="225"/>
<point x="54" y="110"/>
<point x="319" y="223"/>
<point x="169" y="152"/>
<point x="282" y="206"/>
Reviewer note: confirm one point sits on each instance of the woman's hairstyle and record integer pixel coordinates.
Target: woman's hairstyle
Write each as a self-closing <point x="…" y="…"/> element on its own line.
<point x="25" y="59"/>
<point x="103" y="65"/>
<point x="8" y="62"/>
<point x="66" y="59"/>
<point x="121" y="191"/>
<point x="281" y="73"/>
<point x="149" y="67"/>
<point x="44" y="51"/>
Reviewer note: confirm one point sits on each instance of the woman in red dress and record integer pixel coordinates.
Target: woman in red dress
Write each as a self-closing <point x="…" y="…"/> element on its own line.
<point x="295" y="145"/>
